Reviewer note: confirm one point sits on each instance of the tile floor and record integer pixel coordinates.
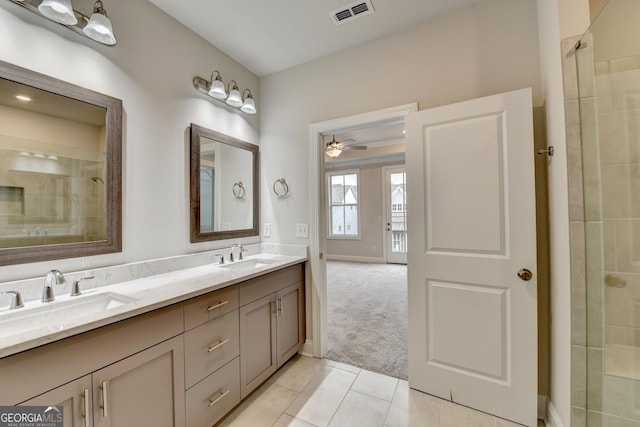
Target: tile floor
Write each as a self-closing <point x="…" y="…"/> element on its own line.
<point x="310" y="392"/>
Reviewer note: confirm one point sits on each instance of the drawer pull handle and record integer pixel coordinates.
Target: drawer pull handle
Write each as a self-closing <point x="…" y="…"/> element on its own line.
<point x="85" y="414"/>
<point x="105" y="402"/>
<point x="218" y="345"/>
<point x="218" y="305"/>
<point x="217" y="399"/>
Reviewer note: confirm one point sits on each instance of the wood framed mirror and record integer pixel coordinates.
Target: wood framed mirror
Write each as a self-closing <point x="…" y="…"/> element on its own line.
<point x="60" y="169"/>
<point x="224" y="199"/>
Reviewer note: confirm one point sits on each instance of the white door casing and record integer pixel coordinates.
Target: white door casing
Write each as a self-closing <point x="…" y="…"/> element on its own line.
<point x="472" y="320"/>
<point x="316" y="283"/>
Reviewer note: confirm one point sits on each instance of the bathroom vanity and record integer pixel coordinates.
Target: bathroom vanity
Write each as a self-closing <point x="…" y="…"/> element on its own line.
<point x="185" y="360"/>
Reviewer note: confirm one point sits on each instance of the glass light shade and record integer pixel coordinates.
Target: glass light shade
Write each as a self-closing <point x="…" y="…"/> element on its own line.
<point x="99" y="29"/>
<point x="249" y="106"/>
<point x="333" y="151"/>
<point x="235" y="99"/>
<point x="217" y="89"/>
<point x="59" y="11"/>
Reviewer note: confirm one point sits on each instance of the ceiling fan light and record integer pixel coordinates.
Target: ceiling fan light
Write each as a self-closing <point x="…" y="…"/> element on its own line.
<point x="99" y="27"/>
<point x="333" y="151"/>
<point x="59" y="11"/>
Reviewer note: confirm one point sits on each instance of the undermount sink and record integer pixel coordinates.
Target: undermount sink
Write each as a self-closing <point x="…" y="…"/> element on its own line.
<point x="57" y="315"/>
<point x="248" y="264"/>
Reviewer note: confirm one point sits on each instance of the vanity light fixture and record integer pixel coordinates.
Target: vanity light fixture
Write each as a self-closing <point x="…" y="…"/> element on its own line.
<point x="97" y="28"/>
<point x="216" y="87"/>
<point x="59" y="11"/>
<point x="230" y="94"/>
<point x="249" y="105"/>
<point x="24" y="98"/>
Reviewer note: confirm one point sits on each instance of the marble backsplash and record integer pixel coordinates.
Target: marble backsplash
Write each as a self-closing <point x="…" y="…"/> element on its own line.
<point x="31" y="289"/>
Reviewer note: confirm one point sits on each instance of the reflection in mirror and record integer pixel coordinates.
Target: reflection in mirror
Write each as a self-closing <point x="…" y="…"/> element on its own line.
<point x="224" y="190"/>
<point x="60" y="166"/>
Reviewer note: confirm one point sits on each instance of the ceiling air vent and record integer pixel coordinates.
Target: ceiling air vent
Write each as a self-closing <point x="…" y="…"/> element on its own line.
<point x="352" y="11"/>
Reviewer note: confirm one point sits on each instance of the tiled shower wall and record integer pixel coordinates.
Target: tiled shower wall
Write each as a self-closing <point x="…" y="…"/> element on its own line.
<point x="602" y="103"/>
<point x="62" y="206"/>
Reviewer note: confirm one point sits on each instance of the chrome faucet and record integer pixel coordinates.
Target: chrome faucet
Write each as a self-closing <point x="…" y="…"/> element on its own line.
<point x="240" y="250"/>
<point x="54" y="277"/>
<point x="16" y="299"/>
<point x="221" y="259"/>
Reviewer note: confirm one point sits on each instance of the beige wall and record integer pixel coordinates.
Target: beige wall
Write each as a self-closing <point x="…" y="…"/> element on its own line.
<point x="459" y="56"/>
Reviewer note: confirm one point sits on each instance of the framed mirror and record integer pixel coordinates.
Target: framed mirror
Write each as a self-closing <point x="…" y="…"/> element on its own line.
<point x="60" y="169"/>
<point x="224" y="186"/>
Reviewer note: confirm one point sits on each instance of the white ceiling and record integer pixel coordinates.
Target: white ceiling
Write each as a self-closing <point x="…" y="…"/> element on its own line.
<point x="273" y="35"/>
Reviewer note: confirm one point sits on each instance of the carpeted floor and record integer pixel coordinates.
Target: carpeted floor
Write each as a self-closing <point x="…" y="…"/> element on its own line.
<point x="367" y="316"/>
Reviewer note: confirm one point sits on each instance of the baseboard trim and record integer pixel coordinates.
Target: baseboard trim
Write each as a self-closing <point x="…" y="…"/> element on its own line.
<point x="553" y="419"/>
<point x="307" y="348"/>
<point x="355" y="258"/>
<point x="542" y="407"/>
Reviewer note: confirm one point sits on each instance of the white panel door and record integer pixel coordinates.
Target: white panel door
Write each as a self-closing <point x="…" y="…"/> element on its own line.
<point x="472" y="318"/>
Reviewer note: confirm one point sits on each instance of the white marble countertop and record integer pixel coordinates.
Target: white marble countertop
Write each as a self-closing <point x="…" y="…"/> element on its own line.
<point x="149" y="293"/>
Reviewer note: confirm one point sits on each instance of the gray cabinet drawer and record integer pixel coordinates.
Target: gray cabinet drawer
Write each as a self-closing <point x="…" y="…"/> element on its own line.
<point x="207" y="307"/>
<point x="262" y="286"/>
<point x="210" y="346"/>
<point x="212" y="398"/>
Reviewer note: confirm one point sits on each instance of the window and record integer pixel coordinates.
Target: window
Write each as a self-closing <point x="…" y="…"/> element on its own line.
<point x="343" y="204"/>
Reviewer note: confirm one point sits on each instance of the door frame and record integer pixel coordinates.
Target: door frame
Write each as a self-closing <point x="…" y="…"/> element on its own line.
<point x="317" y="213"/>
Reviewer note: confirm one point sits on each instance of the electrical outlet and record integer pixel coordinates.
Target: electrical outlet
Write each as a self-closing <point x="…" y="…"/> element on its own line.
<point x="302" y="230"/>
<point x="266" y="230"/>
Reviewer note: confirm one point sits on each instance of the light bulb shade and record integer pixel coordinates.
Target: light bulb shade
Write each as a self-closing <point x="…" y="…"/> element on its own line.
<point x="99" y="29"/>
<point x="59" y="11"/>
<point x="249" y="106"/>
<point x="235" y="99"/>
<point x="217" y="89"/>
<point x="333" y="151"/>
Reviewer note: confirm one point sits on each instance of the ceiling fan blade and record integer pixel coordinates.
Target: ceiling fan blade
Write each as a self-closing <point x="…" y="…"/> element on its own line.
<point x="354" y="147"/>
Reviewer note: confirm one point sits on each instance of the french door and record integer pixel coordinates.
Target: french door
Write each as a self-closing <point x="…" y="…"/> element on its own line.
<point x="395" y="179"/>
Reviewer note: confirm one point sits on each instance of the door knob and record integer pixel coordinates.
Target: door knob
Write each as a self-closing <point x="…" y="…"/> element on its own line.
<point x="525" y="274"/>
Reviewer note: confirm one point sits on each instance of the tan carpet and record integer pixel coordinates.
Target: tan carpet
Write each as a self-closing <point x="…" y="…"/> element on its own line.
<point x="367" y="316"/>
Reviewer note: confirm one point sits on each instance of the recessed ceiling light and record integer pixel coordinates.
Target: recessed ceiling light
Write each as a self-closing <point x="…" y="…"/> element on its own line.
<point x="23" y="98"/>
<point x="404" y="132"/>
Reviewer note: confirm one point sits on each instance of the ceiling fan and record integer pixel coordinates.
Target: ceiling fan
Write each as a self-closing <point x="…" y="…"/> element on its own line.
<point x="334" y="148"/>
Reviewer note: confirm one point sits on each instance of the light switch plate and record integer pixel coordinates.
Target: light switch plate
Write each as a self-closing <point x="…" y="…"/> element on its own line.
<point x="266" y="230"/>
<point x="302" y="230"/>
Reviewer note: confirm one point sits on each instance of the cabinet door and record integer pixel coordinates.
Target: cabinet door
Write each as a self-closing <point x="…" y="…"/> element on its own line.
<point x="290" y="322"/>
<point x="146" y="389"/>
<point x="257" y="343"/>
<point x="74" y="397"/>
